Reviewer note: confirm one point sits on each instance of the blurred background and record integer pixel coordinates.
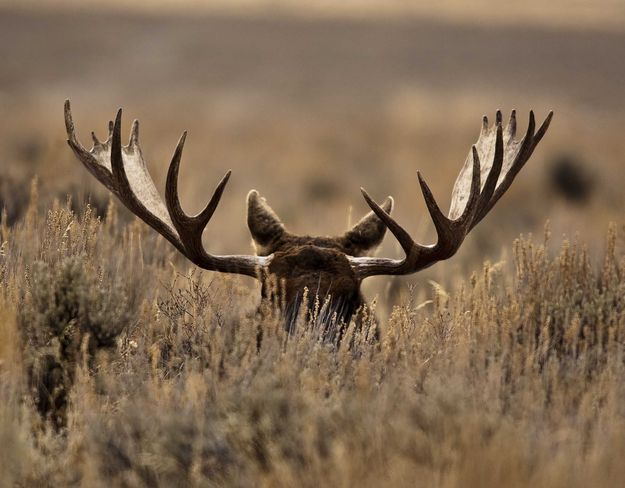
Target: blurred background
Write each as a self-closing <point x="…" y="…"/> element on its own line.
<point x="306" y="103"/>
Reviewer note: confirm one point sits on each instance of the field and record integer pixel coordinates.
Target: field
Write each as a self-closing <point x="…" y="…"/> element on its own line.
<point x="123" y="365"/>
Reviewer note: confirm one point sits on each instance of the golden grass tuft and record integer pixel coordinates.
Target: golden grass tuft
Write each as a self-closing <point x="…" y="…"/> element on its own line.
<point x="513" y="379"/>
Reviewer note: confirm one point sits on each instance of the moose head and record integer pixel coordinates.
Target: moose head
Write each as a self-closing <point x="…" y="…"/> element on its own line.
<point x="329" y="267"/>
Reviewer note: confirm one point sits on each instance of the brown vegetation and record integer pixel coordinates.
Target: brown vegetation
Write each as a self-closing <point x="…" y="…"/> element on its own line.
<point x="513" y="379"/>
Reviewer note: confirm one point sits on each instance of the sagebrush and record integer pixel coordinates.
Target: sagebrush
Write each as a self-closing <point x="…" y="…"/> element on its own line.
<point x="120" y="365"/>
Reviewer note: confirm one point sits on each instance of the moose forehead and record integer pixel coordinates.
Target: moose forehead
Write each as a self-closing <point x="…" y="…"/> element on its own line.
<point x="308" y="254"/>
<point x="311" y="248"/>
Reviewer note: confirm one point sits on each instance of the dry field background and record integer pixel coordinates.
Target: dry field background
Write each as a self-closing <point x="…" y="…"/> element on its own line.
<point x="307" y="105"/>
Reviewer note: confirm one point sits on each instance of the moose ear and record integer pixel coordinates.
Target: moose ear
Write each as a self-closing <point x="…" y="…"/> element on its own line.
<point x="264" y="224"/>
<point x="367" y="234"/>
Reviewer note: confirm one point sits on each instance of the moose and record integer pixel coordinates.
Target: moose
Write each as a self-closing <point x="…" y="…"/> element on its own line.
<point x="329" y="267"/>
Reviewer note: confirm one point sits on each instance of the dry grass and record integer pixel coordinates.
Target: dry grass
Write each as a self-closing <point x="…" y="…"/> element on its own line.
<point x="512" y="379"/>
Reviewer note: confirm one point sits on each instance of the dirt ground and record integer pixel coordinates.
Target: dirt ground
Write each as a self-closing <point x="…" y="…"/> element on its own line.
<point x="307" y="110"/>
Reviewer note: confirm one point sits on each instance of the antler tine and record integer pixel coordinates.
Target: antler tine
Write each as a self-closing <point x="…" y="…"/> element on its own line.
<point x="123" y="171"/>
<point x="470" y="210"/>
<point x="69" y="125"/>
<point x="470" y="202"/>
<point x="493" y="176"/>
<point x="173" y="201"/>
<point x="511" y="127"/>
<point x="450" y="233"/>
<point x="102" y="174"/>
<point x="542" y="130"/>
<point x="134" y="133"/>
<point x="189" y="227"/>
<point x="441" y="223"/>
<point x="205" y="215"/>
<point x="527" y="140"/>
<point x="404" y="239"/>
<point x="171" y="186"/>
<point x="484" y="124"/>
<point x="117" y="160"/>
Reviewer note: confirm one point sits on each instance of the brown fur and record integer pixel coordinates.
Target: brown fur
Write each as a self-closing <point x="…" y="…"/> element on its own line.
<point x="316" y="264"/>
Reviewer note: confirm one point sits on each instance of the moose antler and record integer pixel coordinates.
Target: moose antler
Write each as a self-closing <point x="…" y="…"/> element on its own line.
<point x="488" y="171"/>
<point x="123" y="171"/>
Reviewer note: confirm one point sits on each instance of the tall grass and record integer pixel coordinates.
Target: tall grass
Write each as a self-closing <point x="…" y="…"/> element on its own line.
<point x="120" y="365"/>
